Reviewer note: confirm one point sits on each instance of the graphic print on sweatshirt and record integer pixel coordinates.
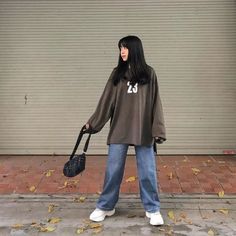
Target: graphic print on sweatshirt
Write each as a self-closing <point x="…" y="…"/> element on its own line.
<point x="131" y="88"/>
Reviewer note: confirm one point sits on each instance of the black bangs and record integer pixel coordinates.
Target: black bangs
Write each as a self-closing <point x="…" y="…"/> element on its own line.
<point x="123" y="43"/>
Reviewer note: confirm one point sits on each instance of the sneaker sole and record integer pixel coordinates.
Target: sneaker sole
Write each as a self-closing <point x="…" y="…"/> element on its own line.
<point x="151" y="223"/>
<point x="101" y="218"/>
<point x="159" y="224"/>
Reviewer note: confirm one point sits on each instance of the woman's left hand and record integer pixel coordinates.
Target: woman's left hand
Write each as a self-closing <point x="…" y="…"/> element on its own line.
<point x="159" y="140"/>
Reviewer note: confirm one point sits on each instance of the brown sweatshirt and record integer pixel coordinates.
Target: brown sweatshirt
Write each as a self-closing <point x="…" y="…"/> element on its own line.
<point x="135" y="111"/>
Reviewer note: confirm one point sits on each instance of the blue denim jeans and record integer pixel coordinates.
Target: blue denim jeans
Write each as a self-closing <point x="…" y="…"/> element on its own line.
<point x="146" y="166"/>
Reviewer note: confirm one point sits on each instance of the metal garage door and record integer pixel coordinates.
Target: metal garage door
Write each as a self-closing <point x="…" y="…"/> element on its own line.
<point x="56" y="55"/>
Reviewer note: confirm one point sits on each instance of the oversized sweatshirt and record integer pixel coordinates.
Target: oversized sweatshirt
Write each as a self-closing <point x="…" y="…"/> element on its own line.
<point x="135" y="112"/>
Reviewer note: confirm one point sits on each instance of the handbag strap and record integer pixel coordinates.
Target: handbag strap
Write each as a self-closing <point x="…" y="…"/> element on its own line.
<point x="82" y="132"/>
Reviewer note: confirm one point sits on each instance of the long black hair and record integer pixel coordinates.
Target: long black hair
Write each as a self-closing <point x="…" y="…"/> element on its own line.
<point x="135" y="64"/>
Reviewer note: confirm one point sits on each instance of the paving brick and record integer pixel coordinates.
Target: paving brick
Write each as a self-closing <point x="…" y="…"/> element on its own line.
<point x="18" y="173"/>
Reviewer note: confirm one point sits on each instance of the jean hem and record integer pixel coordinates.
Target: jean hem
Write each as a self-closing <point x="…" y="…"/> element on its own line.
<point x="153" y="211"/>
<point x="104" y="209"/>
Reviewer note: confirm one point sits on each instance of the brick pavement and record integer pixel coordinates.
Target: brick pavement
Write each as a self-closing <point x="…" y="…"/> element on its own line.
<point x="177" y="174"/>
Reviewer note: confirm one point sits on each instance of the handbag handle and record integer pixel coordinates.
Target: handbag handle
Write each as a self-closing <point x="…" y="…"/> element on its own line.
<point x="82" y="132"/>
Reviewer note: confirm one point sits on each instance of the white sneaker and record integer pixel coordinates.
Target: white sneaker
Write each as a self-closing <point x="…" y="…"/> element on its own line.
<point x="99" y="215"/>
<point x="155" y="218"/>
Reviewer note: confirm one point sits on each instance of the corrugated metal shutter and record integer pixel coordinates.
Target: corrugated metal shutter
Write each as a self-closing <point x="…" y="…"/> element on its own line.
<point x="55" y="58"/>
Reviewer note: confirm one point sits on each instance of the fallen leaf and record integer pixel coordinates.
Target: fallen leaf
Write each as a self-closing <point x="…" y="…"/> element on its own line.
<point x="17" y="226"/>
<point x="99" y="192"/>
<point x="171" y="215"/>
<point x="95" y="225"/>
<point x="98" y="230"/>
<point x="54" y="220"/>
<point x="169" y="232"/>
<point x="80" y="230"/>
<point x="131" y="215"/>
<point x="32" y="189"/>
<point x="71" y="184"/>
<point x="49" y="173"/>
<point x="195" y="171"/>
<point x="211" y="232"/>
<point x="183" y="215"/>
<point x="170" y="175"/>
<point x="224" y="211"/>
<point x="51" y="208"/>
<point x="82" y="199"/>
<point x="130" y="179"/>
<point x="221" y="194"/>
<point x="47" y="229"/>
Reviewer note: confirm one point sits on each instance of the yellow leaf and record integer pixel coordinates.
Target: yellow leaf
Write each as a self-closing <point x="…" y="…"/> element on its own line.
<point x="17" y="226"/>
<point x="80" y="230"/>
<point x="50" y="229"/>
<point x="183" y="215"/>
<point x="54" y="220"/>
<point x="32" y="189"/>
<point x="98" y="230"/>
<point x="170" y="175"/>
<point x="82" y="199"/>
<point x="221" y="194"/>
<point x="51" y="208"/>
<point x="171" y="215"/>
<point x="195" y="171"/>
<point x="211" y="232"/>
<point x="224" y="211"/>
<point x="130" y="179"/>
<point x="49" y="173"/>
<point x="95" y="225"/>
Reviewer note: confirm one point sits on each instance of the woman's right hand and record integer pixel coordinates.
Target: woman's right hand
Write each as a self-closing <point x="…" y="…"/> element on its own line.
<point x="86" y="127"/>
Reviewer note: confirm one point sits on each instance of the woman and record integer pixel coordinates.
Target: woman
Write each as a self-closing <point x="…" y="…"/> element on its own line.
<point x="131" y="100"/>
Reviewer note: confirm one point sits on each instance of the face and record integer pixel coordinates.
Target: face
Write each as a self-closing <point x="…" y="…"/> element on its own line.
<point x="124" y="53"/>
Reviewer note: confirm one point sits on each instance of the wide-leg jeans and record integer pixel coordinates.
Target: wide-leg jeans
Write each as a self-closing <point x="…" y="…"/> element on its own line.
<point x="146" y="166"/>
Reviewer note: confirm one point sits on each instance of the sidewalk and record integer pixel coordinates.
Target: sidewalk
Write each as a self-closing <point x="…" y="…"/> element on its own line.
<point x="177" y="174"/>
<point x="198" y="197"/>
<point x="184" y="215"/>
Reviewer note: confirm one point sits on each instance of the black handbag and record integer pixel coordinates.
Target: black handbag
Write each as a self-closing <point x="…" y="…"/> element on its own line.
<point x="76" y="163"/>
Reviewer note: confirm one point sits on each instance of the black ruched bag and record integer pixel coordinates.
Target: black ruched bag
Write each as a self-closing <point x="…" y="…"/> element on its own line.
<point x="76" y="163"/>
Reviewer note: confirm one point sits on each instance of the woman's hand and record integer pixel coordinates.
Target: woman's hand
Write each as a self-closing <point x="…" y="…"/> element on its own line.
<point x="159" y="140"/>
<point x="86" y="127"/>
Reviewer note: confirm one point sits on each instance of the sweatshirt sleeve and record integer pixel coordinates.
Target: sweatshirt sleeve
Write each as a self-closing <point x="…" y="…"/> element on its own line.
<point x="104" y="108"/>
<point x="158" y="125"/>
